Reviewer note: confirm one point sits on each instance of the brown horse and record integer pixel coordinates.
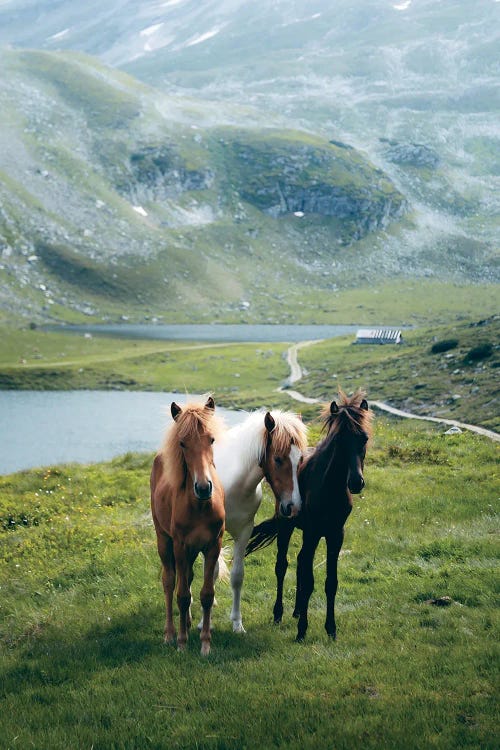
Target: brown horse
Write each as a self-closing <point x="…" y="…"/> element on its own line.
<point x="187" y="503"/>
<point x="328" y="477"/>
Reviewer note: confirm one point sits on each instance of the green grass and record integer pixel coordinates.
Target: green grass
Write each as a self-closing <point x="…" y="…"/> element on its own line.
<point x="83" y="664"/>
<point x="238" y="374"/>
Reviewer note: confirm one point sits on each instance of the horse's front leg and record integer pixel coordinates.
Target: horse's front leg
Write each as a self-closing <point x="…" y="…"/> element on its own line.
<point x="190" y="581"/>
<point x="237" y="575"/>
<point x="184" y="567"/>
<point x="166" y="553"/>
<point x="207" y="594"/>
<point x="333" y="546"/>
<point x="285" y="531"/>
<point x="305" y="581"/>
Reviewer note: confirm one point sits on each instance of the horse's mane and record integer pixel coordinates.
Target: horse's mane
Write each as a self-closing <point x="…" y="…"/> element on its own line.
<point x="289" y="429"/>
<point x="252" y="435"/>
<point x="350" y="415"/>
<point x="195" y="418"/>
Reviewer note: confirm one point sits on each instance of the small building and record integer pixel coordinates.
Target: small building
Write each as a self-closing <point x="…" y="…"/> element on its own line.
<point x="379" y="336"/>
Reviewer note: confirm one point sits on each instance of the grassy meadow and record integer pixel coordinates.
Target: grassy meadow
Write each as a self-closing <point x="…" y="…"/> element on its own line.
<point x="239" y="374"/>
<point x="82" y="659"/>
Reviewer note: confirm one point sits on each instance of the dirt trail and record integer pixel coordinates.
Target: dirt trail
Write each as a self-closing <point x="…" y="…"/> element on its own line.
<point x="296" y="374"/>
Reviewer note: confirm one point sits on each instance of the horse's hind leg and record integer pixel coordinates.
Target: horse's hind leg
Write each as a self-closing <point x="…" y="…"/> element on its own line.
<point x="285" y="531"/>
<point x="333" y="547"/>
<point x="207" y="595"/>
<point x="305" y="581"/>
<point x="216" y="575"/>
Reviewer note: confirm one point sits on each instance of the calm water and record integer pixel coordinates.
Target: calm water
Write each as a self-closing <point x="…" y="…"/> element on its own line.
<point x="218" y="332"/>
<point x="38" y="428"/>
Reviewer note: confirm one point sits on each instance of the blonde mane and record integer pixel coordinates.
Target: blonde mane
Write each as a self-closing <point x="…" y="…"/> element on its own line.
<point x="289" y="430"/>
<point x="194" y="419"/>
<point x="248" y="439"/>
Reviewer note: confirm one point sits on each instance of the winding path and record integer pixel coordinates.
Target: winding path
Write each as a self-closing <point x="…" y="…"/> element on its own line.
<point x="296" y="375"/>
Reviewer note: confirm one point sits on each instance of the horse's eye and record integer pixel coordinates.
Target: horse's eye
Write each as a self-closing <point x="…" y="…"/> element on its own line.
<point x="278" y="461"/>
<point x="212" y="441"/>
<point x="183" y="445"/>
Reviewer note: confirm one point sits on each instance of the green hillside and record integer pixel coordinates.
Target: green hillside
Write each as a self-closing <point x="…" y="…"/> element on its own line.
<point x="116" y="199"/>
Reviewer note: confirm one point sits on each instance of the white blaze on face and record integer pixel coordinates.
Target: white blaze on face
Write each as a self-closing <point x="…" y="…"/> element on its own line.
<point x="295" y="455"/>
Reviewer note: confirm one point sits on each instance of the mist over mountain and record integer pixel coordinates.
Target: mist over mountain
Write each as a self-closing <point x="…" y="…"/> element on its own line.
<point x="402" y="96"/>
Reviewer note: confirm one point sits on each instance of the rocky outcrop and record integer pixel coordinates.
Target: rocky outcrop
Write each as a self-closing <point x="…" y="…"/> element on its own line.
<point x="328" y="200"/>
<point x="283" y="176"/>
<point x="156" y="173"/>
<point x="410" y="154"/>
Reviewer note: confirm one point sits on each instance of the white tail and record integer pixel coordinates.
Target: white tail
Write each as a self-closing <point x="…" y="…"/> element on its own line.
<point x="223" y="567"/>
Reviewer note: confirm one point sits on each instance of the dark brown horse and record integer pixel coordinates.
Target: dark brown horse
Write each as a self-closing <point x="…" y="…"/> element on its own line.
<point x="328" y="477"/>
<point x="187" y="504"/>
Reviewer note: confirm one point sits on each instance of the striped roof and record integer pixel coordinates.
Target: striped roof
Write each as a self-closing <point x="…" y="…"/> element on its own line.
<point x="379" y="334"/>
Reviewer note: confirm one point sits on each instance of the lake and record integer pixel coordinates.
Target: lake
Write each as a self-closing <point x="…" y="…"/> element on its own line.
<point x="238" y="332"/>
<point x="39" y="428"/>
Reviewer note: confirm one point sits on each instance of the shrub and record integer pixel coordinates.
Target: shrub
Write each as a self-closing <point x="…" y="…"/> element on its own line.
<point x="444" y="345"/>
<point x="480" y="352"/>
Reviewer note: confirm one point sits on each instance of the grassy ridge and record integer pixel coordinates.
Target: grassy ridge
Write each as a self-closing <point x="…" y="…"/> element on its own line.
<point x="82" y="615"/>
<point x="458" y="383"/>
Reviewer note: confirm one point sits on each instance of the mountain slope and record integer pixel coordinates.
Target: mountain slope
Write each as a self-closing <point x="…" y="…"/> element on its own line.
<point x="113" y="196"/>
<point x="412" y="86"/>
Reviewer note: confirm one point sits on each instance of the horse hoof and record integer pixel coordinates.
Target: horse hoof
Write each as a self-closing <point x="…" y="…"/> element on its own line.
<point x="332" y="636"/>
<point x="169" y="639"/>
<point x="296" y="613"/>
<point x="300" y="639"/>
<point x="277" y="620"/>
<point x="238" y="627"/>
<point x="205" y="649"/>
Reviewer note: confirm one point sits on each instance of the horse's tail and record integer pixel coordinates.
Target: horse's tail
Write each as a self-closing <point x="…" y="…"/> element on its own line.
<point x="223" y="567"/>
<point x="262" y="535"/>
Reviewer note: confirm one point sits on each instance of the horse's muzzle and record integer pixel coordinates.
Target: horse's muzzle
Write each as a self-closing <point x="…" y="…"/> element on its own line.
<point x="286" y="510"/>
<point x="203" y="492"/>
<point x="355" y="486"/>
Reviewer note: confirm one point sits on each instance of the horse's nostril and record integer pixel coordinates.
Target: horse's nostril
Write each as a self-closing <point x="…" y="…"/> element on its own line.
<point x="203" y="492"/>
<point x="356" y="486"/>
<point x="286" y="510"/>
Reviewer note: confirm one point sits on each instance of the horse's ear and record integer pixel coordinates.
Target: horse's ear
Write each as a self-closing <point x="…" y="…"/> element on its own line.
<point x="210" y="403"/>
<point x="175" y="410"/>
<point x="364" y="404"/>
<point x="269" y="422"/>
<point x="334" y="409"/>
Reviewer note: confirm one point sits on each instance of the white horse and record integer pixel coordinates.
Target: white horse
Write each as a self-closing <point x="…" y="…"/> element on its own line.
<point x="266" y="445"/>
